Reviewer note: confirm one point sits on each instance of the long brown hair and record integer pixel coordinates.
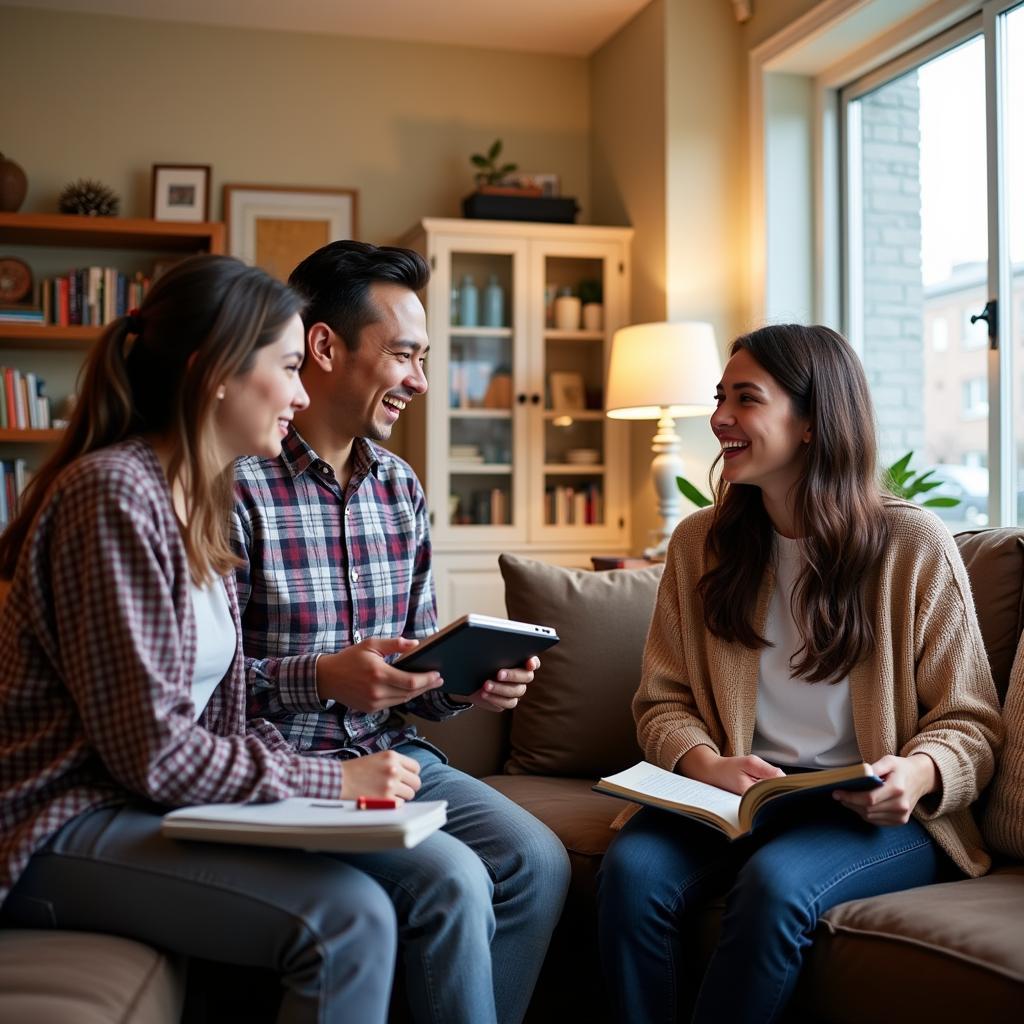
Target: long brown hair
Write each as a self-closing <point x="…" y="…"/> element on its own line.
<point x="157" y="372"/>
<point x="838" y="505"/>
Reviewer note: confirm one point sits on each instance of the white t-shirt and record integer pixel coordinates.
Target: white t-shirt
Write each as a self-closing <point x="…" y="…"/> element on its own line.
<point x="215" y="640"/>
<point x="798" y="724"/>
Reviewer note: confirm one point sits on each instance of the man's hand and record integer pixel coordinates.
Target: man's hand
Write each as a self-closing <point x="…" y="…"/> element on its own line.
<point x="906" y="779"/>
<point x="361" y="679"/>
<point x="736" y="774"/>
<point x="503" y="693"/>
<point x="387" y="774"/>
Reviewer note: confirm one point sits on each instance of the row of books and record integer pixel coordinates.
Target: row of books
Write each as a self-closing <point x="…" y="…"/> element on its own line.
<point x="574" y="506"/>
<point x="13" y="480"/>
<point x="483" y="508"/>
<point x="90" y="297"/>
<point x="23" y="401"/>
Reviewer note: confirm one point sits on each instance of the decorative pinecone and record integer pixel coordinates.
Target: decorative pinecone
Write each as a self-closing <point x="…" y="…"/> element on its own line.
<point x="92" y="198"/>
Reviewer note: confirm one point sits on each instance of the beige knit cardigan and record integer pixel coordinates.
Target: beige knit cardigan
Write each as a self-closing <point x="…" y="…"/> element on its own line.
<point x="925" y="688"/>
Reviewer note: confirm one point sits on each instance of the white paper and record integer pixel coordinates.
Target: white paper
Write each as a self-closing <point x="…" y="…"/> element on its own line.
<point x="650" y="780"/>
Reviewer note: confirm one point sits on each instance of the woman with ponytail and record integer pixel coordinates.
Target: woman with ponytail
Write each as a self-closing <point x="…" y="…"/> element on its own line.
<point x="806" y="620"/>
<point x="121" y="686"/>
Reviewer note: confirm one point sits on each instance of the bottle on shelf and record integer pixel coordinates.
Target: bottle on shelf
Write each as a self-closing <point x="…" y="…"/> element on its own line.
<point x="468" y="302"/>
<point x="494" y="303"/>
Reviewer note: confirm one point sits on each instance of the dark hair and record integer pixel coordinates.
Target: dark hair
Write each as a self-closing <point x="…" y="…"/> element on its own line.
<point x="158" y="372"/>
<point x="335" y="282"/>
<point x="838" y="509"/>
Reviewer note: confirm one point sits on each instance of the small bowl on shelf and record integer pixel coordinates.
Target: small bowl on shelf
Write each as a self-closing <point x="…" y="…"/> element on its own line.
<point x="583" y="456"/>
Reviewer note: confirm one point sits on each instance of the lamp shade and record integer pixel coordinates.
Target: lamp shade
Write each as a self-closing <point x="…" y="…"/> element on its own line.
<point x="663" y="368"/>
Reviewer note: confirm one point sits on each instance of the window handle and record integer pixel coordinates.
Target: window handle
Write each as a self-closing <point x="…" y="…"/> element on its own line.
<point x="990" y="314"/>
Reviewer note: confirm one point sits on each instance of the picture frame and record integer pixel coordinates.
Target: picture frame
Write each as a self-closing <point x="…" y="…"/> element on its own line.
<point x="277" y="226"/>
<point x="567" y="390"/>
<point x="181" y="192"/>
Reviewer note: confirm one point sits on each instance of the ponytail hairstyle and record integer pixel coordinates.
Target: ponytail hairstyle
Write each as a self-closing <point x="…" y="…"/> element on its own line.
<point x="838" y="506"/>
<point x="156" y="372"/>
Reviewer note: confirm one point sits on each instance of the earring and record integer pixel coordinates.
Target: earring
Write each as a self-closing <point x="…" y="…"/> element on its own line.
<point x="221" y="392"/>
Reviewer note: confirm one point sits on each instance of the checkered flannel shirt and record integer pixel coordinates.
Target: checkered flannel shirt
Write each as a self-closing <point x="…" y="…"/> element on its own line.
<point x="321" y="571"/>
<point x="97" y="652"/>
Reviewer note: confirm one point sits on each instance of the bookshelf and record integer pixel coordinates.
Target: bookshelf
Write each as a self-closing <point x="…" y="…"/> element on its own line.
<point x="55" y="243"/>
<point x="52" y="245"/>
<point x="510" y="461"/>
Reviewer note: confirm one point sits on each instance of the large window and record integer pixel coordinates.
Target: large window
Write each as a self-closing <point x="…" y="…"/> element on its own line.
<point x="934" y="232"/>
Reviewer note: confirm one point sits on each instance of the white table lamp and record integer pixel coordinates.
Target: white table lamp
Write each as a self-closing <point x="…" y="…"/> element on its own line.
<point x="662" y="372"/>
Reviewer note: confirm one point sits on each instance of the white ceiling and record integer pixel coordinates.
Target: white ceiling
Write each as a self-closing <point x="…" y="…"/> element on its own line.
<point x="569" y="27"/>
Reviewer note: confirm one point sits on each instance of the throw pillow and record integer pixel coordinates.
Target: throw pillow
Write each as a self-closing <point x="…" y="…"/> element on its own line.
<point x="995" y="566"/>
<point x="577" y="718"/>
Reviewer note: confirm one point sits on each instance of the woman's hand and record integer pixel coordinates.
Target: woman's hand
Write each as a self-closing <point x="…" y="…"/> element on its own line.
<point x="906" y="779"/>
<point x="736" y="774"/>
<point x="387" y="774"/>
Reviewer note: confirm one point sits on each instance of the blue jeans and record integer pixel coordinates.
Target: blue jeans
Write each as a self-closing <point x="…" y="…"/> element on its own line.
<point x="323" y="927"/>
<point x="778" y="883"/>
<point x="476" y="902"/>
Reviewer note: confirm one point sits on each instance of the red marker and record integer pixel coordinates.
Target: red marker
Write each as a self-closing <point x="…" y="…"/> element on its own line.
<point x="374" y="803"/>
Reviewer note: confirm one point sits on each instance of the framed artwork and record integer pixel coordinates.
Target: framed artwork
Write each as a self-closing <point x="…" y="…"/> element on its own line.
<point x="567" y="390"/>
<point x="276" y="227"/>
<point x="181" y="192"/>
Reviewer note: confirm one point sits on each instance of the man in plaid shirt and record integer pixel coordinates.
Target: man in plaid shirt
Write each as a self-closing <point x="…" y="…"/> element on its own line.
<point x="335" y="581"/>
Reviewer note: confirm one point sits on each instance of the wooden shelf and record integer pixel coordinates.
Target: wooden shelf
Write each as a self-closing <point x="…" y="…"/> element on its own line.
<point x="51" y="337"/>
<point x="481" y="414"/>
<point x="553" y="334"/>
<point x="31" y="436"/>
<point x="480" y="332"/>
<point x="574" y="469"/>
<point x="478" y="468"/>
<point x="68" y="229"/>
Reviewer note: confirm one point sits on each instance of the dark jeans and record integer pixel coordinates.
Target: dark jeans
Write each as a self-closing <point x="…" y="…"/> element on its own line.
<point x="326" y="928"/>
<point x="778" y="883"/>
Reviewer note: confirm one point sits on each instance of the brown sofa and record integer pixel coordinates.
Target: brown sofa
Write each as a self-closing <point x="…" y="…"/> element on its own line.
<point x="945" y="952"/>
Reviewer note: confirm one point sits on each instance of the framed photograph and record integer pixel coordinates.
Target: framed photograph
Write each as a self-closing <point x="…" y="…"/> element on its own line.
<point x="567" y="390"/>
<point x="181" y="192"/>
<point x="276" y="227"/>
<point x="549" y="184"/>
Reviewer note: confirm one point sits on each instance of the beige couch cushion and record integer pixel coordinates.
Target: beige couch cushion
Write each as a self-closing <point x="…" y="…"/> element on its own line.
<point x="55" y="977"/>
<point x="577" y="719"/>
<point x="941" y="952"/>
<point x="995" y="565"/>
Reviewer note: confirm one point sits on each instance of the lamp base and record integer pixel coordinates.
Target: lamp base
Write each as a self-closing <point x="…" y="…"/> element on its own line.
<point x="665" y="467"/>
<point x="658" y="552"/>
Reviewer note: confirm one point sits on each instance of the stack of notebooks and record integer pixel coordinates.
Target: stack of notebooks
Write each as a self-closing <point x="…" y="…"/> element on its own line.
<point x="308" y="824"/>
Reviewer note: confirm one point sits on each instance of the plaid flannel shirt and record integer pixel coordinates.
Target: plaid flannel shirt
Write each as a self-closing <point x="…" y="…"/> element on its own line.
<point x="321" y="571"/>
<point x="97" y="651"/>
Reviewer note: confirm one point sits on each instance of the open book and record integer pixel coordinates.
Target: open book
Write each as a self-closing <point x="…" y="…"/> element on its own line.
<point x="734" y="815"/>
<point x="308" y="824"/>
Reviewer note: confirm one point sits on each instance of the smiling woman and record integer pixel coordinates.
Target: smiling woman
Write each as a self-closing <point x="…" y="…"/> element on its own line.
<point x="805" y="621"/>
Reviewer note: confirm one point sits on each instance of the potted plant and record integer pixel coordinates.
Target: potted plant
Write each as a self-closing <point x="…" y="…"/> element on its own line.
<point x="490" y="173"/>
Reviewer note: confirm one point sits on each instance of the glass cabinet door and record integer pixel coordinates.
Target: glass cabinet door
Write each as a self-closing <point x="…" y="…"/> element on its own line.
<point x="475" y="340"/>
<point x="578" y="443"/>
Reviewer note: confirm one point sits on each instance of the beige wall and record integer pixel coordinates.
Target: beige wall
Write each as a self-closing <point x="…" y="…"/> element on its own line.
<point x="107" y="97"/>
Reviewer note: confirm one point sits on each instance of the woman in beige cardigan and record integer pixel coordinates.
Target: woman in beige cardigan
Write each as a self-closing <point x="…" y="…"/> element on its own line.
<point x="805" y="621"/>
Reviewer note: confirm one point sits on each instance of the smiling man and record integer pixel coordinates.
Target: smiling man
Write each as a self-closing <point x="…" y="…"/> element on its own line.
<point x="335" y="580"/>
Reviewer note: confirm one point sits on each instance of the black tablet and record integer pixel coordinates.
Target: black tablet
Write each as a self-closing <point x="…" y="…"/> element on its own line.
<point x="473" y="649"/>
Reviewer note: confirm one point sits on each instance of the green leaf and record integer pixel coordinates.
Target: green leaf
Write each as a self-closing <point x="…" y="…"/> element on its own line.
<point x="507" y="169"/>
<point x="900" y="465"/>
<point x="930" y="486"/>
<point x="495" y="149"/>
<point x="479" y="161"/>
<point x="941" y="503"/>
<point x="691" y="493"/>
